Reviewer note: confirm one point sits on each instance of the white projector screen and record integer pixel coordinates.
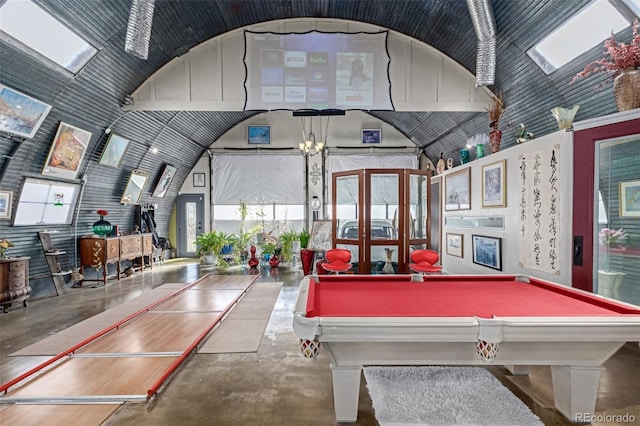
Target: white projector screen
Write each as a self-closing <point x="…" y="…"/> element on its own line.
<point x="317" y="71"/>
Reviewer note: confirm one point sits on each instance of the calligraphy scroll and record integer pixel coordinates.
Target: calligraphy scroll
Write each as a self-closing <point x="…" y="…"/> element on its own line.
<point x="539" y="210"/>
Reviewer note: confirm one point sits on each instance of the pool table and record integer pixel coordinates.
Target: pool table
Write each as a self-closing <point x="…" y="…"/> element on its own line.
<point x="510" y="320"/>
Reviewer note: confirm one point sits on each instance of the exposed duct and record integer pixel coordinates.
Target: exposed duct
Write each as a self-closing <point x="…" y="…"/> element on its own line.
<point x="139" y="28"/>
<point x="485" y="25"/>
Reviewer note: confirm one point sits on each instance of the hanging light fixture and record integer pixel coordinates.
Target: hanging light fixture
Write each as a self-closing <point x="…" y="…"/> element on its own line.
<point x="311" y="146"/>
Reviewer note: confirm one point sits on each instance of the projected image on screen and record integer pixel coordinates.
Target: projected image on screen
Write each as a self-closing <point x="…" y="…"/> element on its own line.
<point x="317" y="71"/>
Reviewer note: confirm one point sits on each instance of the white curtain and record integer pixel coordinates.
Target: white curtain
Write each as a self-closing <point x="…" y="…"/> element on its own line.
<point x="258" y="178"/>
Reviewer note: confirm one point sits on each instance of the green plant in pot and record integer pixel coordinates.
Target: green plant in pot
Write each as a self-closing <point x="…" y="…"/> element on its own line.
<point x="210" y="245"/>
<point x="287" y="239"/>
<point x="304" y="239"/>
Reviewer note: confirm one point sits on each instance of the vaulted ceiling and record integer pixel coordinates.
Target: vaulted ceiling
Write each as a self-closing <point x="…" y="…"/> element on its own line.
<point x="93" y="98"/>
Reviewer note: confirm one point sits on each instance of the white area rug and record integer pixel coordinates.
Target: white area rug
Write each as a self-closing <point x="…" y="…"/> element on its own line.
<point x="442" y="396"/>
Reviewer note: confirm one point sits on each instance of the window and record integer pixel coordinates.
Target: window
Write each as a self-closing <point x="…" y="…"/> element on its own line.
<point x="582" y="32"/>
<point x="53" y="40"/>
<point x="46" y="202"/>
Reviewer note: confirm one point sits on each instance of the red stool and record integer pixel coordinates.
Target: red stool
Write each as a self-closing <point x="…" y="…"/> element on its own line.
<point x="337" y="260"/>
<point x="422" y="261"/>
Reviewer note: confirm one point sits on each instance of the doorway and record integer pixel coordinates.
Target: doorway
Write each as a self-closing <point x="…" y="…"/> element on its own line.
<point x="190" y="214"/>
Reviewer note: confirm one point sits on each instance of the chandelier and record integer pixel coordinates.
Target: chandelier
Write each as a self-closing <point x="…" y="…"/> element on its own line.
<point x="311" y="146"/>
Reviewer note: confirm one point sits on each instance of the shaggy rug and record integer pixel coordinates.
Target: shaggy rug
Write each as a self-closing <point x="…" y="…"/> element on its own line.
<point x="444" y="396"/>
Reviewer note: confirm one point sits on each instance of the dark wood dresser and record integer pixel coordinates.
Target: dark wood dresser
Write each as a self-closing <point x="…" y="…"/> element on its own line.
<point x="14" y="281"/>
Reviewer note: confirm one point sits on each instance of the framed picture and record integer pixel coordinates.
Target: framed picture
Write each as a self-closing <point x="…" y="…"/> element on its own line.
<point x="259" y="135"/>
<point x="371" y="135"/>
<point x="455" y="244"/>
<point x="457" y="190"/>
<point x="320" y="239"/>
<point x="114" y="151"/>
<point x="199" y="180"/>
<point x="67" y="151"/>
<point x="487" y="251"/>
<point x="494" y="185"/>
<point x="5" y="204"/>
<point x="20" y="114"/>
<point x="167" y="176"/>
<point x="630" y="198"/>
<point x="135" y="185"/>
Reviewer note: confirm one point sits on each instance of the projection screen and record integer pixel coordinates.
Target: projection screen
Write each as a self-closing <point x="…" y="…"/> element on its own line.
<point x="317" y="71"/>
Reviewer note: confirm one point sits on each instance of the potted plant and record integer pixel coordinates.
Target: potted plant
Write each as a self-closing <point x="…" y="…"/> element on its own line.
<point x="306" y="255"/>
<point x="288" y="238"/>
<point x="495" y="111"/>
<point x="210" y="245"/>
<point x="620" y="62"/>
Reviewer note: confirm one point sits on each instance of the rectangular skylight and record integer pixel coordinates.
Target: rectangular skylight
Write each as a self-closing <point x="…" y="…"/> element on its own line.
<point x="582" y="32"/>
<point x="32" y="26"/>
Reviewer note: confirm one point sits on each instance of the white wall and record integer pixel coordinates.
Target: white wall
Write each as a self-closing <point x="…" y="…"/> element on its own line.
<point x="510" y="235"/>
<point x="211" y="76"/>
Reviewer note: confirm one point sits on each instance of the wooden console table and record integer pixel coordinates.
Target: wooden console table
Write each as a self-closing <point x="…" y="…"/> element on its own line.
<point x="14" y="281"/>
<point x="98" y="252"/>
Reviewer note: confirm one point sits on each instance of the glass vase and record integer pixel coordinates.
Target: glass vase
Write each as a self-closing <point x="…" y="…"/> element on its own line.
<point x="480" y="150"/>
<point x="464" y="156"/>
<point x="102" y="227"/>
<point x="564" y="116"/>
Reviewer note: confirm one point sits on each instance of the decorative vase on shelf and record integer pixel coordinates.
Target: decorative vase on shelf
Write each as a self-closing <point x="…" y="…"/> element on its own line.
<point x="565" y="116"/>
<point x="440" y="165"/>
<point x="495" y="136"/>
<point x="464" y="156"/>
<point x="102" y="227"/>
<point x="480" y="150"/>
<point x="626" y="89"/>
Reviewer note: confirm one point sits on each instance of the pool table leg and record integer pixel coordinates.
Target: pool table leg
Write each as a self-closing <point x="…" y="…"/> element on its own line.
<point x="575" y="389"/>
<point x="346" y="392"/>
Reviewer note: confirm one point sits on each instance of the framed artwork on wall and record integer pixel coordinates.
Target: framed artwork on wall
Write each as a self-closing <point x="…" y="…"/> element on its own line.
<point x="21" y="115"/>
<point x="371" y="135"/>
<point x="199" y="180"/>
<point x="167" y="176"/>
<point x="494" y="181"/>
<point x="455" y="244"/>
<point x="487" y="251"/>
<point x="114" y="151"/>
<point x="259" y="135"/>
<point x="135" y="185"/>
<point x="457" y="189"/>
<point x="630" y="198"/>
<point x="67" y="151"/>
<point x="5" y="204"/>
<point x="320" y="239"/>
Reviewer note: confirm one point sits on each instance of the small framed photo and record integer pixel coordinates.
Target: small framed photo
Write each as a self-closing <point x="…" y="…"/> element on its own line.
<point x="199" y="180"/>
<point x="371" y="135"/>
<point x="487" y="251"/>
<point x="455" y="244"/>
<point x="457" y="190"/>
<point x="630" y="198"/>
<point x="67" y="151"/>
<point x="494" y="181"/>
<point x="114" y="151"/>
<point x="5" y="204"/>
<point x="167" y="176"/>
<point x="259" y="135"/>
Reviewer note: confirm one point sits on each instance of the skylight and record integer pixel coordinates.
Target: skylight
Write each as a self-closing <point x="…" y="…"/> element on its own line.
<point x="582" y="32"/>
<point x="32" y="26"/>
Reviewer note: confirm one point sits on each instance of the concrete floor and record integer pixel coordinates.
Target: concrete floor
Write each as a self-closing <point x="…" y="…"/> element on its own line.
<point x="276" y="385"/>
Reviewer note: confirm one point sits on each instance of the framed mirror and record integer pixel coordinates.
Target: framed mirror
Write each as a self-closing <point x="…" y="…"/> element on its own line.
<point x="133" y="191"/>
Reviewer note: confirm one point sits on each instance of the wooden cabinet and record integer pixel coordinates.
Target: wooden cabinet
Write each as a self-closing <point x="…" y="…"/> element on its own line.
<point x="98" y="252"/>
<point x="14" y="281"/>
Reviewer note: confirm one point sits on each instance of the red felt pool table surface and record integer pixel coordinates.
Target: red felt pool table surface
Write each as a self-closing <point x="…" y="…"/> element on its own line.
<point x="484" y="296"/>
